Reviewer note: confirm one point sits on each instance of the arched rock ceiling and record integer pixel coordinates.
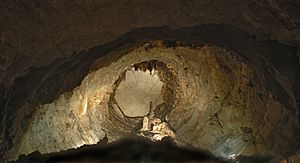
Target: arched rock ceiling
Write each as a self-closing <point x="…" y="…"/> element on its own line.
<point x="47" y="47"/>
<point x="34" y="34"/>
<point x="221" y="105"/>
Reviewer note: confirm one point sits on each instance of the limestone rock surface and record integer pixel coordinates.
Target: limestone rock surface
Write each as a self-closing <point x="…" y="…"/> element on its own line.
<point x="221" y="105"/>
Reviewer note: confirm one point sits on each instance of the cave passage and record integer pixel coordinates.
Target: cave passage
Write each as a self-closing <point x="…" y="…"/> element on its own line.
<point x="216" y="75"/>
<point x="139" y="92"/>
<point x="202" y="96"/>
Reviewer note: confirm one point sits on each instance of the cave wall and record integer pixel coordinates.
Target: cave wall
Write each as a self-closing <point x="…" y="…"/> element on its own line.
<point x="34" y="34"/>
<point x="221" y="106"/>
<point x="48" y="47"/>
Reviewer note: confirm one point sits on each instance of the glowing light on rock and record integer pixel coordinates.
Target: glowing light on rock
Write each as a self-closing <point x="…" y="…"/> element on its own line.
<point x="138" y="92"/>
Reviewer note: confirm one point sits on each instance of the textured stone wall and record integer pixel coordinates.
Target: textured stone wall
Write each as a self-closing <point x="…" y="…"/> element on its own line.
<point x="221" y="105"/>
<point x="47" y="48"/>
<point x="34" y="34"/>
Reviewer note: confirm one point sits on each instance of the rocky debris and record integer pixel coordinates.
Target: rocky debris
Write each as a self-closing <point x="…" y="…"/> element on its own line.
<point x="156" y="130"/>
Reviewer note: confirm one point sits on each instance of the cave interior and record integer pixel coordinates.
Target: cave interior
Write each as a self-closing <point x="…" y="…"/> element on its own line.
<point x="214" y="81"/>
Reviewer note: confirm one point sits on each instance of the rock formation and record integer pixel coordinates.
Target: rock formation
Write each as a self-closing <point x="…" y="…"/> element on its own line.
<point x="222" y="75"/>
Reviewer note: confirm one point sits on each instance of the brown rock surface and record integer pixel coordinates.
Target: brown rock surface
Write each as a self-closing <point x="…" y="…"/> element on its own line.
<point x="221" y="105"/>
<point x="244" y="96"/>
<point x="34" y="34"/>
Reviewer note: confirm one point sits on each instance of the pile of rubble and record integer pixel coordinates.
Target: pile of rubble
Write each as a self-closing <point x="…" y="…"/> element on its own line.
<point x="156" y="129"/>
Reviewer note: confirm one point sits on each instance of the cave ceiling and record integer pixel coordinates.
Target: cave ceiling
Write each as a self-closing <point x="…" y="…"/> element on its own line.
<point x="243" y="98"/>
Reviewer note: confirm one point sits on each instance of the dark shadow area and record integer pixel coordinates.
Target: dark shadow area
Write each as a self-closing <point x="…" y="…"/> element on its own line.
<point x="253" y="159"/>
<point x="135" y="149"/>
